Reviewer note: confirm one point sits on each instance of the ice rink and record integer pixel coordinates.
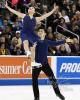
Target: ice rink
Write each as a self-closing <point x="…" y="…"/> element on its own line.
<point x="71" y="92"/>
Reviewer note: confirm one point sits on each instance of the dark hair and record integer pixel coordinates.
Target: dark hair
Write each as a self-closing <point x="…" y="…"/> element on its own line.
<point x="42" y="28"/>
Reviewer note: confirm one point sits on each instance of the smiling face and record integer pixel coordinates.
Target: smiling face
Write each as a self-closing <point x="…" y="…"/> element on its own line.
<point x="31" y="10"/>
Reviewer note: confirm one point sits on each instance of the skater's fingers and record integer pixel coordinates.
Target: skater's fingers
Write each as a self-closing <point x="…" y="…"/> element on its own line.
<point x="35" y="44"/>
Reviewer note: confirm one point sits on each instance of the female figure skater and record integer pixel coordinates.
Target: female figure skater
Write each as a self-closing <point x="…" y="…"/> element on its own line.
<point x="28" y="34"/>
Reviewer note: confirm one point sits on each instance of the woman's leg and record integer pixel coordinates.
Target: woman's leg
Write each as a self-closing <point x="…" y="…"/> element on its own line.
<point x="26" y="47"/>
<point x="33" y="52"/>
<point x="32" y="49"/>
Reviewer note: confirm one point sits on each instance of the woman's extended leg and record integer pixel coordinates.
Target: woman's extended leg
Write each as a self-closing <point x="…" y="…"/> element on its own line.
<point x="26" y="47"/>
<point x="32" y="49"/>
<point x="33" y="52"/>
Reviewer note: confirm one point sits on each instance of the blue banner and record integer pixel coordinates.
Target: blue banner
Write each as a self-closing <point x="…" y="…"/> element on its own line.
<point x="68" y="67"/>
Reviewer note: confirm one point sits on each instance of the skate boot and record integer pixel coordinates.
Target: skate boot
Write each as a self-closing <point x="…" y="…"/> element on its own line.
<point x="60" y="96"/>
<point x="36" y="65"/>
<point x="36" y="99"/>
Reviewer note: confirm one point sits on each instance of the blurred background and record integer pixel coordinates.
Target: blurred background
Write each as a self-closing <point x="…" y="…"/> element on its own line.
<point x="65" y="22"/>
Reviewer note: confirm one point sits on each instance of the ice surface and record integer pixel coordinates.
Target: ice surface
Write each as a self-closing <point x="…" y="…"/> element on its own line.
<point x="71" y="92"/>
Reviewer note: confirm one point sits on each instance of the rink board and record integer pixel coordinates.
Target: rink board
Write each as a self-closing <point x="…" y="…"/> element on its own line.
<point x="18" y="71"/>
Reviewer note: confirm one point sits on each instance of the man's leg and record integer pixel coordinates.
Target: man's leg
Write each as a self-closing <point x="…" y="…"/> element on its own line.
<point x="48" y="71"/>
<point x="35" y="74"/>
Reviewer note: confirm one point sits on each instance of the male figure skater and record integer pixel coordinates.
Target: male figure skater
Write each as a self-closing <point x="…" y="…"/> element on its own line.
<point x="41" y="57"/>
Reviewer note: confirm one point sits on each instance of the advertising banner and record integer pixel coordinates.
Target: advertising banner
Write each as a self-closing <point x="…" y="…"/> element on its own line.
<point x="68" y="69"/>
<point x="18" y="71"/>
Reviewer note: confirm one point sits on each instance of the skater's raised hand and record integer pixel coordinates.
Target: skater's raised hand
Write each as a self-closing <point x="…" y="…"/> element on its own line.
<point x="6" y="4"/>
<point x="44" y="16"/>
<point x="55" y="8"/>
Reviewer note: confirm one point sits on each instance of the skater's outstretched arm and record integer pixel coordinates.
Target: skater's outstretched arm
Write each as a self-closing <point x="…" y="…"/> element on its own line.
<point x="38" y="19"/>
<point x="59" y="42"/>
<point x="21" y="15"/>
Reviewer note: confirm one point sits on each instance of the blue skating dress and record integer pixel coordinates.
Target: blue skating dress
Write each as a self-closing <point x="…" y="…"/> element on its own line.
<point x="28" y="30"/>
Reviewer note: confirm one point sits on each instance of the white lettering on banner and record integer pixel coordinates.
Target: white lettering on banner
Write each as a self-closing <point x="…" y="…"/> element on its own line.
<point x="28" y="69"/>
<point x="10" y="69"/>
<point x="16" y="69"/>
<point x="70" y="67"/>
